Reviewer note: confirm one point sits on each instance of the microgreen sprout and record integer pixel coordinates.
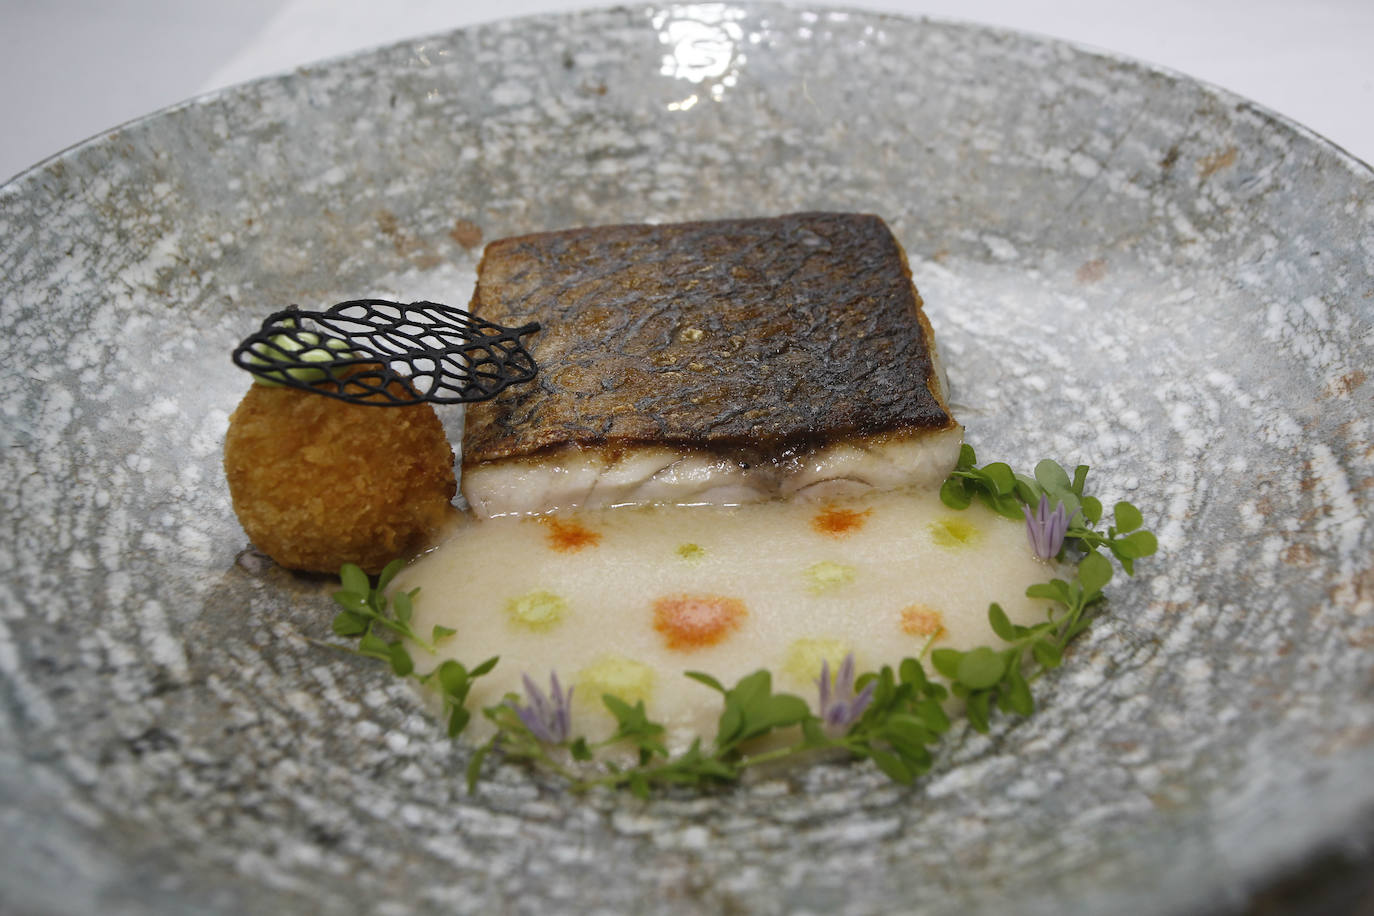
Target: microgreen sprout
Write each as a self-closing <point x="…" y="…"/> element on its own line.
<point x="547" y="717"/>
<point x="1046" y="529"/>
<point x="892" y="717"/>
<point x="383" y="628"/>
<point x="374" y="619"/>
<point x="840" y="707"/>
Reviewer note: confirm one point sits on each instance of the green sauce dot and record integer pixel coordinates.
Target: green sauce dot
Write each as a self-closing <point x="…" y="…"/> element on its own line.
<point x="824" y="576"/>
<point x="691" y="553"/>
<point x="954" y="533"/>
<point x="537" y="610"/>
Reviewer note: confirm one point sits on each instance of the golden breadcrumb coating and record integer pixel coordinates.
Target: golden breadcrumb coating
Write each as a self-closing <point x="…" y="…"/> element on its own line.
<point x="317" y="482"/>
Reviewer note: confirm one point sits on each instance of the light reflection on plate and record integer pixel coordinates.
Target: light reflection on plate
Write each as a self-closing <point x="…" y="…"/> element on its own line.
<point x="704" y="42"/>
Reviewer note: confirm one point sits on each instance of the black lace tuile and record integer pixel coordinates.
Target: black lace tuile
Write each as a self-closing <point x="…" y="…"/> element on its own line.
<point x="387" y="354"/>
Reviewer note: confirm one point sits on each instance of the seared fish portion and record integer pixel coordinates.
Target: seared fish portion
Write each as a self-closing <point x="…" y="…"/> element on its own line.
<point x="708" y="362"/>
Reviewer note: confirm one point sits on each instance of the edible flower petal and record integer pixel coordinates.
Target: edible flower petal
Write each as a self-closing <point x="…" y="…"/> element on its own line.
<point x="840" y="707"/>
<point x="549" y="718"/>
<point x="1046" y="529"/>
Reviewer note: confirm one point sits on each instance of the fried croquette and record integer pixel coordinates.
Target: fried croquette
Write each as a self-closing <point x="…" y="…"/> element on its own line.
<point x="317" y="482"/>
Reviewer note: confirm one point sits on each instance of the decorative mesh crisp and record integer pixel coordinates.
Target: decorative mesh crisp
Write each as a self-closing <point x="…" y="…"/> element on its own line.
<point x="371" y="351"/>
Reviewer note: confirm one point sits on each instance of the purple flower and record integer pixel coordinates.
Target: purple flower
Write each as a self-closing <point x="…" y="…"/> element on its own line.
<point x="547" y="717"/>
<point x="1046" y="529"/>
<point x="840" y="707"/>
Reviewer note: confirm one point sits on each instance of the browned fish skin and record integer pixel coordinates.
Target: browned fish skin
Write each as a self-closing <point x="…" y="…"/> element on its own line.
<point x="767" y="335"/>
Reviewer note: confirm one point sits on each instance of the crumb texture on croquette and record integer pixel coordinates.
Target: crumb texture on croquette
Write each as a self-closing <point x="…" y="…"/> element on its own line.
<point x="317" y="482"/>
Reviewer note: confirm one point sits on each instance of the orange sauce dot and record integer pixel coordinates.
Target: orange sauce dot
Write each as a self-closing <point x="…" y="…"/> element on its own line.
<point x="568" y="536"/>
<point x="836" y="522"/>
<point x="919" y="620"/>
<point x="697" y="621"/>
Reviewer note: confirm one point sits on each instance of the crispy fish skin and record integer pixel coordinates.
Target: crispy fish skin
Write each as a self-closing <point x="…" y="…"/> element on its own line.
<point x="762" y="339"/>
<point x="765" y="333"/>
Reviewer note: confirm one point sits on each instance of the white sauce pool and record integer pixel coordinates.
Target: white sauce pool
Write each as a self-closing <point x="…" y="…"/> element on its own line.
<point x="625" y="600"/>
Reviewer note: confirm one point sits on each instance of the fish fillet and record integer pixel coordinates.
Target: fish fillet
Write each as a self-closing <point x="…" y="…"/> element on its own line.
<point x="708" y="362"/>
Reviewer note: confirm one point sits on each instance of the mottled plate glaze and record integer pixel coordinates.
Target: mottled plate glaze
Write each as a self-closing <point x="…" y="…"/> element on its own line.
<point x="1124" y="267"/>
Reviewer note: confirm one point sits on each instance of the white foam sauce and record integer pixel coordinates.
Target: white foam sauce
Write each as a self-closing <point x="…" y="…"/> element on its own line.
<point x="545" y="597"/>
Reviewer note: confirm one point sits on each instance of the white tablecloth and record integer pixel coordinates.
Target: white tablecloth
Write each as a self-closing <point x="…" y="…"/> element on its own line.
<point x="73" y="68"/>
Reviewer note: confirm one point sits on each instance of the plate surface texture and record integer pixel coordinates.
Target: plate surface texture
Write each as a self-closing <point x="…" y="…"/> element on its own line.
<point x="1123" y="267"/>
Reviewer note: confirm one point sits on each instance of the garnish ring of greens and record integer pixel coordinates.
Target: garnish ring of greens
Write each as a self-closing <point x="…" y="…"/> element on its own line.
<point x="893" y="716"/>
<point x="388" y="354"/>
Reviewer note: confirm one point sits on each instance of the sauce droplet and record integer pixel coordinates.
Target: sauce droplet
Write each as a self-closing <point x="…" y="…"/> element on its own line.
<point x="836" y="522"/>
<point x="920" y="620"/>
<point x="697" y="621"/>
<point x="569" y="536"/>
<point x="954" y="533"/>
<point x="825" y="576"/>
<point x="617" y="675"/>
<point x="537" y="610"/>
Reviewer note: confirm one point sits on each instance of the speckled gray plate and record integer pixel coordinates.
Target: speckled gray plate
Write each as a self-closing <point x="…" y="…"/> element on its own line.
<point x="1124" y="268"/>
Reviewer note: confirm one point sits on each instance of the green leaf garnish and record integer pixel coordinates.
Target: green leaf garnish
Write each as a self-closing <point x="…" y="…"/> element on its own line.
<point x="1094" y="571"/>
<point x="946" y="661"/>
<point x="707" y="680"/>
<point x="1092" y="510"/>
<point x="1047" y="654"/>
<point x="954" y="494"/>
<point x="1052" y="477"/>
<point x="348" y="623"/>
<point x="1135" y="545"/>
<point x="1001" y="477"/>
<point x="1000" y="623"/>
<point x="354" y="580"/>
<point x="980" y="668"/>
<point x="1128" y="517"/>
<point x="401" y="662"/>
